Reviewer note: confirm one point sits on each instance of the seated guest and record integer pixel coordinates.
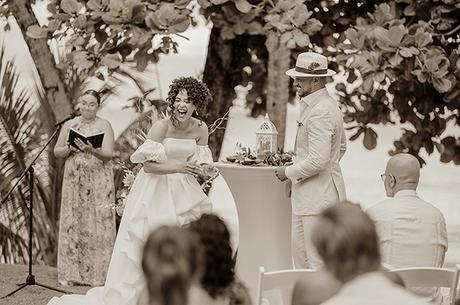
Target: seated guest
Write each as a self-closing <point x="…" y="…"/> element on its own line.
<point x="218" y="285"/>
<point x="172" y="261"/>
<point x="316" y="289"/>
<point x="346" y="239"/>
<point x="412" y="232"/>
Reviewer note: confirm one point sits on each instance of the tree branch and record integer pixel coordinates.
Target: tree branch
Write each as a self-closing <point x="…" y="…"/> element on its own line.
<point x="451" y="32"/>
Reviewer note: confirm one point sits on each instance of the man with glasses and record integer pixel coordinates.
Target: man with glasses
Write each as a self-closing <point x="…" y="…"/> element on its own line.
<point x="412" y="232"/>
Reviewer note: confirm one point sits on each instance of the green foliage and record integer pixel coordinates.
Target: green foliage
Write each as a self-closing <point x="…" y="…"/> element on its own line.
<point x="105" y="33"/>
<point x="19" y="142"/>
<point x="401" y="58"/>
<point x="284" y="21"/>
<point x="406" y="55"/>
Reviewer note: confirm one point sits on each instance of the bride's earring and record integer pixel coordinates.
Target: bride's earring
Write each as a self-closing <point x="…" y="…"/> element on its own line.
<point x="196" y="112"/>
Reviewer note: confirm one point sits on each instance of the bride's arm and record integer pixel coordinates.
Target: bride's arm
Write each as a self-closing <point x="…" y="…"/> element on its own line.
<point x="157" y="133"/>
<point x="169" y="167"/>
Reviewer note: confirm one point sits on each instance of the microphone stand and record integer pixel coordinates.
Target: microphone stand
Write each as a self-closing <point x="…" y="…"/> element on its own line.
<point x="30" y="280"/>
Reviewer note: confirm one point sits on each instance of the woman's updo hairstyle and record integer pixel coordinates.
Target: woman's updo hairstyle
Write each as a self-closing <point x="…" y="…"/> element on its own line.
<point x="93" y="93"/>
<point x="172" y="258"/>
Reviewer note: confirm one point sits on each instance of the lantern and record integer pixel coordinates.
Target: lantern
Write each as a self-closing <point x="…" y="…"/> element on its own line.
<point x="266" y="137"/>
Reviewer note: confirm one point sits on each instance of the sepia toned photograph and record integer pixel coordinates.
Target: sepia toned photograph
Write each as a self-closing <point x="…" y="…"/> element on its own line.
<point x="229" y="152"/>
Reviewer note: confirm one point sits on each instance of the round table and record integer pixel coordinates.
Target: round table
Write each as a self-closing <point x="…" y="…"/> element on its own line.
<point x="264" y="217"/>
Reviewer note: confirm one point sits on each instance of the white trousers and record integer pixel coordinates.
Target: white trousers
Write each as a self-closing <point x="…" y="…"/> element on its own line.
<point x="303" y="252"/>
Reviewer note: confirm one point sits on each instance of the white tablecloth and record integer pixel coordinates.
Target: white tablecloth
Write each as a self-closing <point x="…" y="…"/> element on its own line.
<point x="264" y="217"/>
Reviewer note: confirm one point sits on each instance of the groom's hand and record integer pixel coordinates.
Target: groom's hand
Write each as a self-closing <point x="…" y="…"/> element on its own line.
<point x="280" y="173"/>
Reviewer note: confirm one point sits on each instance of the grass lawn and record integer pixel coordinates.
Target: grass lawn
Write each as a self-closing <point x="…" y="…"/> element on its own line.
<point x="11" y="275"/>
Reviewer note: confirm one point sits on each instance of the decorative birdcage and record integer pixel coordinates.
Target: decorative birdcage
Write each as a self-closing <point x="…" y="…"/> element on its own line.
<point x="266" y="138"/>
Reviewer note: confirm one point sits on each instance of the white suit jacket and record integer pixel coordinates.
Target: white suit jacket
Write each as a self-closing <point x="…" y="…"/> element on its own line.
<point x="316" y="176"/>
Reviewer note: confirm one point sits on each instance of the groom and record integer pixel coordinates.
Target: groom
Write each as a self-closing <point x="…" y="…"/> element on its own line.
<point x="320" y="143"/>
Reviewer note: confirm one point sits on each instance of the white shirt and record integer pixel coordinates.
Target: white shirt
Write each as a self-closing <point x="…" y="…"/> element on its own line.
<point x="412" y="233"/>
<point x="373" y="289"/>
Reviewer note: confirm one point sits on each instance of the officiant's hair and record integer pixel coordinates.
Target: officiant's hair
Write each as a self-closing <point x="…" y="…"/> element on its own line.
<point x="172" y="259"/>
<point x="93" y="93"/>
<point x="197" y="92"/>
<point x="346" y="239"/>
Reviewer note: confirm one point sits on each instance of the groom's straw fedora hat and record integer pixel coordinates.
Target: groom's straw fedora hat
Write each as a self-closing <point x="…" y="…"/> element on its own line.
<point x="310" y="64"/>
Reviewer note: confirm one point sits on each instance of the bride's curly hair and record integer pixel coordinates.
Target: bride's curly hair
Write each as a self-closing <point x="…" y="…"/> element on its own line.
<point x="219" y="274"/>
<point x="197" y="91"/>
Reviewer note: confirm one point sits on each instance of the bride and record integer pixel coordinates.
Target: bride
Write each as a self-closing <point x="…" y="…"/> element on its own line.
<point x="165" y="192"/>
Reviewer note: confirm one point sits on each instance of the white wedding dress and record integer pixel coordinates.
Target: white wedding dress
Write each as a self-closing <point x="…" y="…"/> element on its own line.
<point x="153" y="200"/>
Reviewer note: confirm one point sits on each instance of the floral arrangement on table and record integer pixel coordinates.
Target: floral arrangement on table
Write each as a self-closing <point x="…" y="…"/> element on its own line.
<point x="247" y="156"/>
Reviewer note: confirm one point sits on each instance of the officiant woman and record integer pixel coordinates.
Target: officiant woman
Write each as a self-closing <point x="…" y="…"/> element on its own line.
<point x="87" y="221"/>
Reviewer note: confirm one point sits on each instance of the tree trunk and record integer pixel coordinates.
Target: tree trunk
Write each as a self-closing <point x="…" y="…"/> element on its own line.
<point x="50" y="76"/>
<point x="216" y="76"/>
<point x="278" y="90"/>
<point x="58" y="103"/>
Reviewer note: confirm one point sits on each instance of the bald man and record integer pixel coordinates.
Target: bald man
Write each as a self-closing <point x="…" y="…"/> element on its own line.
<point x="412" y="232"/>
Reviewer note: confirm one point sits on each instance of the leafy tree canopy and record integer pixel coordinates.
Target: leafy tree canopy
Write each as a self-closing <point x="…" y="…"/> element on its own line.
<point x="406" y="53"/>
<point x="105" y="33"/>
<point x="402" y="56"/>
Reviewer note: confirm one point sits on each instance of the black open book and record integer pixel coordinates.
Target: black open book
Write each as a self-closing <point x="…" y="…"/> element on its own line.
<point x="95" y="140"/>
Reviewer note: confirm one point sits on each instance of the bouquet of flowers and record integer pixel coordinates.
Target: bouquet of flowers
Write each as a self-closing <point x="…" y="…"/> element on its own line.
<point x="128" y="179"/>
<point x="208" y="173"/>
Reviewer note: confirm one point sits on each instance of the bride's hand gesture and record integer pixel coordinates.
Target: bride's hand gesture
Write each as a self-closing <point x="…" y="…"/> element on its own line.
<point x="191" y="168"/>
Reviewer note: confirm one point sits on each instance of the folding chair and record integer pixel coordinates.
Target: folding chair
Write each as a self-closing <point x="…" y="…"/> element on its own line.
<point x="278" y="285"/>
<point x="431" y="277"/>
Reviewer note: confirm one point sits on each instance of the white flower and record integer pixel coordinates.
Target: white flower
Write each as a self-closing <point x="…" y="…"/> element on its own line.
<point x="128" y="179"/>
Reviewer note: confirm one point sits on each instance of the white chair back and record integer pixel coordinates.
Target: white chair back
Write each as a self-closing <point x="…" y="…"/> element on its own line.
<point x="431" y="277"/>
<point x="275" y="287"/>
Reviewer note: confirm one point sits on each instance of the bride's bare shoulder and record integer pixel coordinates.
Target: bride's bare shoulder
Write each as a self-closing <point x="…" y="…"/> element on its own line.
<point x="158" y="130"/>
<point x="199" y="124"/>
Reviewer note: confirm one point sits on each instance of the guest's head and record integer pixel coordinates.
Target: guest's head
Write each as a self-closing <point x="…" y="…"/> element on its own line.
<point x="401" y="173"/>
<point x="346" y="239"/>
<point x="88" y="103"/>
<point x="315" y="289"/>
<point x="187" y="96"/>
<point x="219" y="272"/>
<point x="172" y="261"/>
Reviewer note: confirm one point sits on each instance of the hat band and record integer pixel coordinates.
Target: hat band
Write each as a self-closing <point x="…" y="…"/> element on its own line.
<point x="310" y="71"/>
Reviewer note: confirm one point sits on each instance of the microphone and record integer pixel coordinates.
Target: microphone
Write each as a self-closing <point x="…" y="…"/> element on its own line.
<point x="69" y="117"/>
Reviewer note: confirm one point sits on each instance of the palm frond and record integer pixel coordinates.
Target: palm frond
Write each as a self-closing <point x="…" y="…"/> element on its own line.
<point x="19" y="141"/>
<point x="13" y="246"/>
